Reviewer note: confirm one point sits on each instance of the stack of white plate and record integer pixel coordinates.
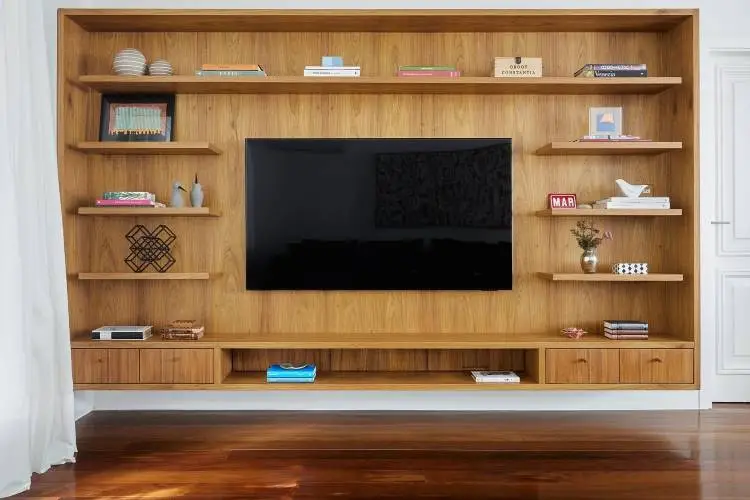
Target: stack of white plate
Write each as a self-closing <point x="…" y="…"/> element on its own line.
<point x="129" y="62"/>
<point x="160" y="67"/>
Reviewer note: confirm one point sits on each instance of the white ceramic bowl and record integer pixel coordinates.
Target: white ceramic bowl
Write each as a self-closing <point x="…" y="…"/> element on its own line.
<point x="129" y="62"/>
<point x="160" y="67"/>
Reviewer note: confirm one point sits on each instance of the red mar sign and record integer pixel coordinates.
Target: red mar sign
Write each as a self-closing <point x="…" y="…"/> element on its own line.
<point x="562" y="200"/>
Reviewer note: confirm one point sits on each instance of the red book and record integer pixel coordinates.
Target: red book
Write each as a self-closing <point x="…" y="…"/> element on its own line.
<point x="429" y="72"/>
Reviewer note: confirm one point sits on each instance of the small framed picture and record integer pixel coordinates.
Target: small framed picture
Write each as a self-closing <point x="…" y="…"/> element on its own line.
<point x="137" y="118"/>
<point x="559" y="200"/>
<point x="605" y="121"/>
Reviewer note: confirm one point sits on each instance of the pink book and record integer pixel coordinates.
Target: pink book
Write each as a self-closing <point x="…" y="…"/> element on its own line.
<point x="124" y="203"/>
<point x="429" y="73"/>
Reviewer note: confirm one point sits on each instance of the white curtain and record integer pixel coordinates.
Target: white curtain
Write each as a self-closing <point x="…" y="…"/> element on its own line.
<point x="37" y="427"/>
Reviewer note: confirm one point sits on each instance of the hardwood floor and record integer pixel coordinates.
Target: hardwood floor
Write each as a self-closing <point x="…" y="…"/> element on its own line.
<point x="318" y="455"/>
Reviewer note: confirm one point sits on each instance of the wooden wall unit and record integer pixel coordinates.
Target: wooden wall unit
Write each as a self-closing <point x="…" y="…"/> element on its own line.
<point x="374" y="337"/>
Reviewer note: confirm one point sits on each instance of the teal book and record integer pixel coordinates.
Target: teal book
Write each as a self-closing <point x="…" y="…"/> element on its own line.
<point x="288" y="370"/>
<point x="290" y="380"/>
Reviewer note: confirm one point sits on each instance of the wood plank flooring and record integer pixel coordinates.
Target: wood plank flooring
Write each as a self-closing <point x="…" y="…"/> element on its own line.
<point x="318" y="455"/>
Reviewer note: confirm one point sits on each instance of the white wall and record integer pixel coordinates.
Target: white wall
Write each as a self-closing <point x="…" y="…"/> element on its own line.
<point x="723" y="24"/>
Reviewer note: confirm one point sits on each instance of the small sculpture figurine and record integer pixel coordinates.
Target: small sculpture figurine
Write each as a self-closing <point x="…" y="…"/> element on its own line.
<point x="196" y="193"/>
<point x="573" y="332"/>
<point x="177" y="201"/>
<point x="631" y="190"/>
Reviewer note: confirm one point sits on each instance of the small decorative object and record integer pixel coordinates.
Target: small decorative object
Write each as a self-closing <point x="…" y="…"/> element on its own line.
<point x="183" y="329"/>
<point x="129" y="62"/>
<point x="137" y="118"/>
<point x="150" y="248"/>
<point x="605" y="122"/>
<point x="573" y="332"/>
<point x="585" y="206"/>
<point x="196" y="193"/>
<point x="632" y="190"/>
<point x="630" y="268"/>
<point x="518" y="67"/>
<point x="562" y="200"/>
<point x="589" y="240"/>
<point x="329" y="61"/>
<point x="177" y="200"/>
<point x="160" y="67"/>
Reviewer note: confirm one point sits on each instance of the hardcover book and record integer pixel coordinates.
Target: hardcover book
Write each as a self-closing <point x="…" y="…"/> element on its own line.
<point x="288" y="370"/>
<point x="125" y="332"/>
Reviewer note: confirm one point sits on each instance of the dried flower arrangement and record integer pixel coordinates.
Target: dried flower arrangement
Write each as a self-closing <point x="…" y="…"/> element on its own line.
<point x="588" y="236"/>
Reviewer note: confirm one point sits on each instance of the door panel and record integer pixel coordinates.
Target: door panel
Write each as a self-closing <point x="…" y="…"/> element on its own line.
<point x="89" y="366"/>
<point x="583" y="366"/>
<point x="656" y="366"/>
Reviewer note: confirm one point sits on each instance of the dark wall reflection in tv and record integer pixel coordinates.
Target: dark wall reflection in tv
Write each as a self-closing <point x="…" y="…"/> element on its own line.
<point x="379" y="214"/>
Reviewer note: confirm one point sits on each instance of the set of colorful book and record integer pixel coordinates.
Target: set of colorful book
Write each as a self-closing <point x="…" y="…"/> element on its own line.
<point x="128" y="199"/>
<point x="288" y="373"/>
<point x="625" y="329"/>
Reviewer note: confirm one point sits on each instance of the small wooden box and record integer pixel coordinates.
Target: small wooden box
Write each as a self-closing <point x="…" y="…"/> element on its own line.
<point x="518" y="67"/>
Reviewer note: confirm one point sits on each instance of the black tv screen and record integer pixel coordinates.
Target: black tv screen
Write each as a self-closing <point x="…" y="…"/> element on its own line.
<point x="379" y="214"/>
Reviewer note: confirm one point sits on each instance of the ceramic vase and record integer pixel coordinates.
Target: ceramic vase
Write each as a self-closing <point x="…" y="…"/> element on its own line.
<point x="160" y="67"/>
<point x="129" y="62"/>
<point x="196" y="194"/>
<point x="589" y="261"/>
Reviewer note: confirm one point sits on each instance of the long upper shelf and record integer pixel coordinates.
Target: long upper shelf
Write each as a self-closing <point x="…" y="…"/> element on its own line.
<point x="147" y="148"/>
<point x="143" y="276"/>
<point x="147" y="212"/>
<point x="412" y="21"/>
<point x="611" y="277"/>
<point x="608" y="148"/>
<point x="620" y="212"/>
<point x="559" y="85"/>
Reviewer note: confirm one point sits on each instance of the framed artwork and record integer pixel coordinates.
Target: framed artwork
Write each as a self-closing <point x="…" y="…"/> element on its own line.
<point x="137" y="118"/>
<point x="605" y="121"/>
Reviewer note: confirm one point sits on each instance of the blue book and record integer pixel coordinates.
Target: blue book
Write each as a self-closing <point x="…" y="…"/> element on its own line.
<point x="288" y="370"/>
<point x="290" y="380"/>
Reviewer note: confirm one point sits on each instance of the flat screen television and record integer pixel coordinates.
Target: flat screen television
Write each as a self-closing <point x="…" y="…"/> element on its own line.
<point x="379" y="214"/>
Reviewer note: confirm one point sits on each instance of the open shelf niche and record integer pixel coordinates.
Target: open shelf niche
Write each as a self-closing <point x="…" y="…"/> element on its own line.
<point x="418" y="340"/>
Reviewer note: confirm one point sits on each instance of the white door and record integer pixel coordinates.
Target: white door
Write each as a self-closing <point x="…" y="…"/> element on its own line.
<point x="725" y="225"/>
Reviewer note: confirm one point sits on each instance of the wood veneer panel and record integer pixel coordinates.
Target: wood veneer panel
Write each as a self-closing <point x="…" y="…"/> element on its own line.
<point x="583" y="212"/>
<point x="426" y="21"/>
<point x="147" y="212"/>
<point x="147" y="148"/>
<point x="583" y="366"/>
<point x="123" y="366"/>
<point x="550" y="85"/>
<point x="143" y="276"/>
<point x="656" y="366"/>
<point x="611" y="277"/>
<point x="193" y="366"/>
<point x="90" y="366"/>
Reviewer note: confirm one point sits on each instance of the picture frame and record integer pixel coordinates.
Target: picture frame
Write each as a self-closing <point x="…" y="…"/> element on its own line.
<point x="137" y="118"/>
<point x="562" y="200"/>
<point x="605" y="121"/>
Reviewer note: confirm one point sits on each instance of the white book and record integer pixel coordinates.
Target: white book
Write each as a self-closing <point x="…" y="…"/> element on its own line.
<point x="656" y="206"/>
<point x="335" y="68"/>
<point x="646" y="200"/>
<point x="495" y="376"/>
<point x="338" y="73"/>
<point x="118" y="332"/>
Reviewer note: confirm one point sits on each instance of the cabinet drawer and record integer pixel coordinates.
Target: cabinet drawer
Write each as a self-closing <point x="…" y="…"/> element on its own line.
<point x="583" y="366"/>
<point x="176" y="366"/>
<point x="105" y="366"/>
<point x="656" y="366"/>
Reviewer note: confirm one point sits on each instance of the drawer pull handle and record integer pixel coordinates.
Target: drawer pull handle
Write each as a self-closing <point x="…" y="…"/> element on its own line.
<point x="656" y="360"/>
<point x="582" y="360"/>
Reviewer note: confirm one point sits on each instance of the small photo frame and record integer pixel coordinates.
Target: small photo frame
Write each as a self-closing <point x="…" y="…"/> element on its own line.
<point x="605" y="121"/>
<point x="137" y="118"/>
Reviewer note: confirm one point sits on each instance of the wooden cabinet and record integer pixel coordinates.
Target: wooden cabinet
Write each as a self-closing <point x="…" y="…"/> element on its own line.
<point x="176" y="366"/>
<point x="90" y="366"/>
<point x="583" y="366"/>
<point x="656" y="366"/>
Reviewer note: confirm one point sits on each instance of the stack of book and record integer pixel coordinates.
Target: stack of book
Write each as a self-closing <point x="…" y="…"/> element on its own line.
<point x="611" y="138"/>
<point x="183" y="329"/>
<point x="128" y="199"/>
<point x="231" y="70"/>
<point x="612" y="70"/>
<point x="287" y="373"/>
<point x="332" y="66"/>
<point x="645" y="203"/>
<point x="495" y="377"/>
<point x="625" y="329"/>
<point x="122" y="332"/>
<point x="428" y="71"/>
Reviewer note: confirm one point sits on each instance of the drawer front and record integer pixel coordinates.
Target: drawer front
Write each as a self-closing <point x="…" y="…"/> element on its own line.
<point x="122" y="366"/>
<point x="656" y="366"/>
<point x="583" y="366"/>
<point x="90" y="366"/>
<point x="176" y="366"/>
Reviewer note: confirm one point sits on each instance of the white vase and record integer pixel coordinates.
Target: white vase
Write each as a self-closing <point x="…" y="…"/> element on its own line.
<point x="160" y="67"/>
<point x="129" y="62"/>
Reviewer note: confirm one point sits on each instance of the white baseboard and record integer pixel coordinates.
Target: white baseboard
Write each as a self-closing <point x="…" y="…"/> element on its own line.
<point x="395" y="400"/>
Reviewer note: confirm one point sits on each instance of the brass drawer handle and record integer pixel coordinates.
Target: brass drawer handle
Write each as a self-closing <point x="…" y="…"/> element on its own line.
<point x="582" y="360"/>
<point x="656" y="360"/>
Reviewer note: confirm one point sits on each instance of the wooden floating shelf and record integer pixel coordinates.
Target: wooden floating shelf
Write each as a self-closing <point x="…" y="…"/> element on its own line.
<point x="378" y="21"/>
<point x="143" y="276"/>
<point x="376" y="85"/>
<point x="608" y="148"/>
<point x="391" y="341"/>
<point x="610" y="277"/>
<point x="147" y="212"/>
<point x="582" y="212"/>
<point x="374" y="381"/>
<point x="147" y="148"/>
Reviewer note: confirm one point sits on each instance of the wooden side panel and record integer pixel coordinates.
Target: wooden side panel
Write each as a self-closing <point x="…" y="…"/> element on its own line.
<point x="90" y="366"/>
<point x="583" y="366"/>
<point x="656" y="366"/>
<point x="193" y="366"/>
<point x="123" y="366"/>
<point x="253" y="360"/>
<point x="156" y="366"/>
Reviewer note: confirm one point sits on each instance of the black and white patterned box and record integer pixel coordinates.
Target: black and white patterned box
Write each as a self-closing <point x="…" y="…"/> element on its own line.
<point x="630" y="268"/>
